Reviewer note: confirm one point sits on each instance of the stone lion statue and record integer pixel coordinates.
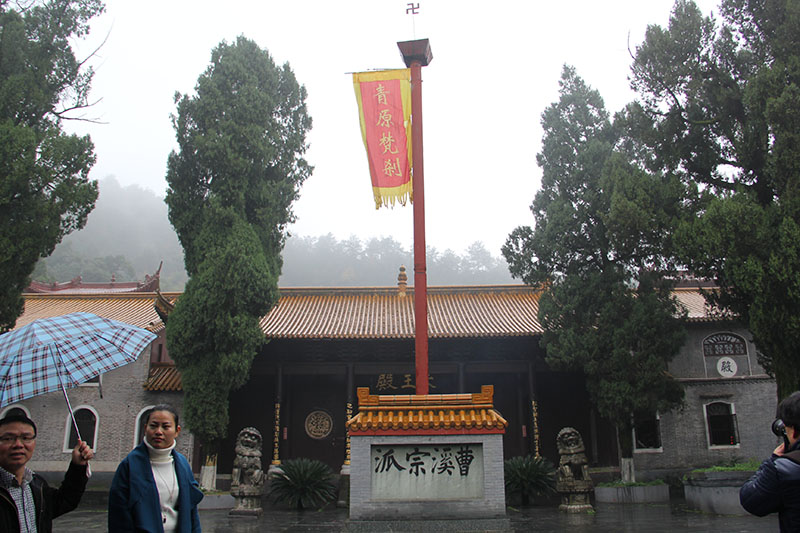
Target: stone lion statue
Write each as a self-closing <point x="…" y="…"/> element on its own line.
<point x="573" y="481"/>
<point x="247" y="464"/>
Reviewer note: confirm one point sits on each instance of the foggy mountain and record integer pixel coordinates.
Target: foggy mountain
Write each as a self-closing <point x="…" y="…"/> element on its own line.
<point x="128" y="234"/>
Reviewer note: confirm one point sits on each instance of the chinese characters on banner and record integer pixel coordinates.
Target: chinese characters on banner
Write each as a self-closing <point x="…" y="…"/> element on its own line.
<point x="384" y="108"/>
<point x="414" y="472"/>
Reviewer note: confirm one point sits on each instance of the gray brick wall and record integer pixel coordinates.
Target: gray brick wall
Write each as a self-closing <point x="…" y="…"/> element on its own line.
<point x="690" y="362"/>
<point x="684" y="436"/>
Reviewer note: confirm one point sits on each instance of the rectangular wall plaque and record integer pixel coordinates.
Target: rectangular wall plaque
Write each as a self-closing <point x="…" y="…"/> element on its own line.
<point x="427" y="472"/>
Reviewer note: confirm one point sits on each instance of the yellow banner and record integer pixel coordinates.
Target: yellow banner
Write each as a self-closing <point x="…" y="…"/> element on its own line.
<point x="384" y="109"/>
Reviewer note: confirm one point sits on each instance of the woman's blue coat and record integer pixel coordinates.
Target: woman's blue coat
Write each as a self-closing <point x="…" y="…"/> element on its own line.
<point x="133" y="503"/>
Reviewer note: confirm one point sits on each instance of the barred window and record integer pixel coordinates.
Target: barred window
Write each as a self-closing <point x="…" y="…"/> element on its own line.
<point x="722" y="427"/>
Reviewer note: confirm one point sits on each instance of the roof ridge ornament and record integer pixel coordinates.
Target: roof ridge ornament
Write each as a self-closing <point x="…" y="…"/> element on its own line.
<point x="402" y="281"/>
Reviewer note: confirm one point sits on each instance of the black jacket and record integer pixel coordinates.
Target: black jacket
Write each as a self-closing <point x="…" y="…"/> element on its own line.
<point x="49" y="502"/>
<point x="775" y="487"/>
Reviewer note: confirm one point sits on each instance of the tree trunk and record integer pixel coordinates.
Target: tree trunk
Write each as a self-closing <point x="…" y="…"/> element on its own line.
<point x="625" y="439"/>
<point x="626" y="470"/>
<point x="208" y="473"/>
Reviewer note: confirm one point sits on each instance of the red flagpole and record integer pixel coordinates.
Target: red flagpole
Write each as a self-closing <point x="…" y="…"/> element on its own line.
<point x="416" y="55"/>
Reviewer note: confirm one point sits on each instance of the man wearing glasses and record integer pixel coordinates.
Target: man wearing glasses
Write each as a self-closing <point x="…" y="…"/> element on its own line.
<point x="27" y="503"/>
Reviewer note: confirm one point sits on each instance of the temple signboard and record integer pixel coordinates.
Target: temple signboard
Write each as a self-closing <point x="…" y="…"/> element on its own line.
<point x="427" y="472"/>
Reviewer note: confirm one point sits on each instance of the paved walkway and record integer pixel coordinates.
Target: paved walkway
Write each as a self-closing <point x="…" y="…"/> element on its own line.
<point x="607" y="518"/>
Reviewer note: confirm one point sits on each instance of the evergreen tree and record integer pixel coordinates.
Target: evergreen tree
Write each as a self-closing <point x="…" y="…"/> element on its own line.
<point x="606" y="306"/>
<point x="237" y="170"/>
<point x="45" y="192"/>
<point x="720" y="107"/>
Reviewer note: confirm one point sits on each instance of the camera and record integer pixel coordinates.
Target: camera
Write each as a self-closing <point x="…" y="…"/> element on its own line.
<point x="779" y="429"/>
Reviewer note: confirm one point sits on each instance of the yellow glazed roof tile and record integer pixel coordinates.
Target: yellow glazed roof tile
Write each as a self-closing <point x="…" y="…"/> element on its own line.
<point x="356" y="313"/>
<point x="163" y="377"/>
<point x="135" y="308"/>
<point x="451" y="412"/>
<point x="385" y="313"/>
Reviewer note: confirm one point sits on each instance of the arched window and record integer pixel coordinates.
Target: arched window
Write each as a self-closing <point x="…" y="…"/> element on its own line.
<point x="14" y="410"/>
<point x="721" y="344"/>
<point x="138" y="433"/>
<point x="86" y="418"/>
<point x="722" y="427"/>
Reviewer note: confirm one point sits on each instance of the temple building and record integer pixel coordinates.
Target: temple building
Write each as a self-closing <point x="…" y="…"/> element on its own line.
<point x="324" y="343"/>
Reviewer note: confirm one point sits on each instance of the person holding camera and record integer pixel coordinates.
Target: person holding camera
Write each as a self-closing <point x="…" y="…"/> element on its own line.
<point x="775" y="487"/>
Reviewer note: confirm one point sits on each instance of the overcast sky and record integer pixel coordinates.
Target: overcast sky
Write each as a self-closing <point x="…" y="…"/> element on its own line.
<point x="496" y="66"/>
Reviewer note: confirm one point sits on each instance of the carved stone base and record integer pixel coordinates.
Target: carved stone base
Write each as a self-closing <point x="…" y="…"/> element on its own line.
<point x="575" y="503"/>
<point x="248" y="501"/>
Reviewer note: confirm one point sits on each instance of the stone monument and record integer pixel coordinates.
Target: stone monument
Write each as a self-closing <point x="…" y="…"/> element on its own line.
<point x="427" y="463"/>
<point x="573" y="481"/>
<point x="247" y="477"/>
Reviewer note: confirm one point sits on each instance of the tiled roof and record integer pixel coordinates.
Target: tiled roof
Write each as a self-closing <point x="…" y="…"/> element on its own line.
<point x="443" y="413"/>
<point x="135" y="308"/>
<point x="355" y="313"/>
<point x="697" y="308"/>
<point x="163" y="377"/>
<point x="383" y="313"/>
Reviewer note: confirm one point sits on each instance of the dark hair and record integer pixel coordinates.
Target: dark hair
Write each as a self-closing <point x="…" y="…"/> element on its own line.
<point x="161" y="407"/>
<point x="789" y="410"/>
<point x="8" y="419"/>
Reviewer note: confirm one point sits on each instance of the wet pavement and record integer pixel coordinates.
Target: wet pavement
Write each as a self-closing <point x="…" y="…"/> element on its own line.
<point x="606" y="518"/>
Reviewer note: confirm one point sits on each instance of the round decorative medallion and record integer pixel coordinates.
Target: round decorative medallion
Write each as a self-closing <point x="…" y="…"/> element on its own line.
<point x="726" y="367"/>
<point x="319" y="424"/>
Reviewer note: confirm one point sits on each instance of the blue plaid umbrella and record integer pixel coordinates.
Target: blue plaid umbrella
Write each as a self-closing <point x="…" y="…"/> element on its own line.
<point x="64" y="351"/>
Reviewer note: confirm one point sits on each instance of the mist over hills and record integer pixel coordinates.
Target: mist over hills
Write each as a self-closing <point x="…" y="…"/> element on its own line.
<point x="128" y="234"/>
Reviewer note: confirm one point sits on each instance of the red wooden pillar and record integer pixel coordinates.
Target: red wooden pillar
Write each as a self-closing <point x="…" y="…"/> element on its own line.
<point x="417" y="54"/>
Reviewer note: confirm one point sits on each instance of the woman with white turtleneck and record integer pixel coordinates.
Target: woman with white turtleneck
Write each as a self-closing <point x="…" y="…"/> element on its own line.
<point x="154" y="489"/>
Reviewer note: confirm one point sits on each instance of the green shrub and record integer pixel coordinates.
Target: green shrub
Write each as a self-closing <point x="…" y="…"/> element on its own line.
<point x="303" y="483"/>
<point x="735" y="466"/>
<point x="529" y="477"/>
